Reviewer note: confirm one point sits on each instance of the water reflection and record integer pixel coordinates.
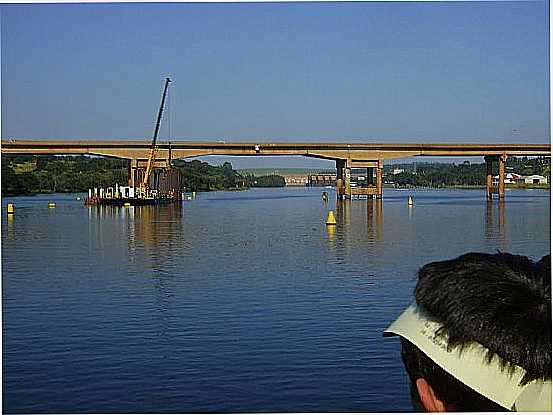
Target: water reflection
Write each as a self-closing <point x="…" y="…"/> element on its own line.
<point x="10" y="227"/>
<point x="351" y="220"/>
<point x="153" y="236"/>
<point x="224" y="289"/>
<point x="374" y="220"/>
<point x="331" y="234"/>
<point x="157" y="226"/>
<point x="155" y="229"/>
<point x="494" y="232"/>
<point x="343" y="213"/>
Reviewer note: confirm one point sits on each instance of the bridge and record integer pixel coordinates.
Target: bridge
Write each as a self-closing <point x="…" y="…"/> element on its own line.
<point x="346" y="155"/>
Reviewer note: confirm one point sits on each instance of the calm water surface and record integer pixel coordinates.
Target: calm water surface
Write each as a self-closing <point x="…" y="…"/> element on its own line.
<point x="233" y="302"/>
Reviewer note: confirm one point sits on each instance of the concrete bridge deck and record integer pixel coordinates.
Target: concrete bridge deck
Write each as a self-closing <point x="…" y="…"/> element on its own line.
<point x="346" y="155"/>
<point x="331" y="151"/>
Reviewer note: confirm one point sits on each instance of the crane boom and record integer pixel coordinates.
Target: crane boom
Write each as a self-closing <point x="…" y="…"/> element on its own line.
<point x="152" y="157"/>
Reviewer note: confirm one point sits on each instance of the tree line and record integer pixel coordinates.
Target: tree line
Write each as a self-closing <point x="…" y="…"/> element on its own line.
<point x="24" y="174"/>
<point x="464" y="174"/>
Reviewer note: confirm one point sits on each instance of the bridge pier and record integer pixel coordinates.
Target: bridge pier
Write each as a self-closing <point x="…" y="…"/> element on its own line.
<point x="489" y="177"/>
<point x="339" y="182"/>
<point x="347" y="180"/>
<point x="132" y="166"/>
<point x="374" y="182"/>
<point x="370" y="176"/>
<point x="343" y="177"/>
<point x="374" y="178"/>
<point x="379" y="182"/>
<point x="501" y="184"/>
<point x="500" y="188"/>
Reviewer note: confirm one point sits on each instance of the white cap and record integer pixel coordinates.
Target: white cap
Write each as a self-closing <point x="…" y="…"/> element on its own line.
<point x="470" y="366"/>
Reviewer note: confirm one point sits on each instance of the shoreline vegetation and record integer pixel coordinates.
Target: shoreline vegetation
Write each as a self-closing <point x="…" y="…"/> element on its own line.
<point x="470" y="187"/>
<point x="30" y="175"/>
<point x="24" y="175"/>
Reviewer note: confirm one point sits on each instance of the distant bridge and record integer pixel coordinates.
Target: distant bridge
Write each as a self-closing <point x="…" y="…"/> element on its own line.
<point x="346" y="156"/>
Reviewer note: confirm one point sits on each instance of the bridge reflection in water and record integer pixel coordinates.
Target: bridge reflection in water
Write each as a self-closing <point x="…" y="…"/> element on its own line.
<point x="494" y="232"/>
<point x="156" y="232"/>
<point x="152" y="231"/>
<point x="154" y="238"/>
<point x="351" y="214"/>
<point x="346" y="220"/>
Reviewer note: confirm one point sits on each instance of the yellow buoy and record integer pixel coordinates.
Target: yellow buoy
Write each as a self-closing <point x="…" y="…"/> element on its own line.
<point x="127" y="204"/>
<point x="11" y="208"/>
<point x="410" y="201"/>
<point x="51" y="205"/>
<point x="331" y="220"/>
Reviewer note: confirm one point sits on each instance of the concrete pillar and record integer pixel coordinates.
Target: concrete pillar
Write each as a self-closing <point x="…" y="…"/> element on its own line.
<point x="379" y="179"/>
<point x="501" y="186"/>
<point x="489" y="177"/>
<point x="133" y="167"/>
<point x="347" y="180"/>
<point x="370" y="176"/>
<point x="340" y="186"/>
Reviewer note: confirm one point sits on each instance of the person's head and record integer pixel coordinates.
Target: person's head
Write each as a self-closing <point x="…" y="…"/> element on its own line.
<point x="479" y="336"/>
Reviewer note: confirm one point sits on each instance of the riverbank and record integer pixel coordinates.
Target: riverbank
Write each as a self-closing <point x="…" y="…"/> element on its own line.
<point x="471" y="186"/>
<point x="31" y="175"/>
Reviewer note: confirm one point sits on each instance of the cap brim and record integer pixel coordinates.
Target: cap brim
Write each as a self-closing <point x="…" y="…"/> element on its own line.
<point x="470" y="364"/>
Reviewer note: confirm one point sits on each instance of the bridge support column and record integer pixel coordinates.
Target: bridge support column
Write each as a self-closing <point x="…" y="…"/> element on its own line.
<point x="370" y="180"/>
<point x="379" y="183"/>
<point x="490" y="188"/>
<point x="343" y="177"/>
<point x="501" y="184"/>
<point x="347" y="180"/>
<point x="370" y="176"/>
<point x="489" y="177"/>
<point x="133" y="167"/>
<point x="339" y="178"/>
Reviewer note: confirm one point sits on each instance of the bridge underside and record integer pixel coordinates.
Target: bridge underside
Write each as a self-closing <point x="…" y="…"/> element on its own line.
<point x="331" y="151"/>
<point x="347" y="156"/>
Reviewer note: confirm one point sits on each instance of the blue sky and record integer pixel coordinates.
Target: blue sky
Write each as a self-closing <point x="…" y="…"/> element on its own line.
<point x="350" y="72"/>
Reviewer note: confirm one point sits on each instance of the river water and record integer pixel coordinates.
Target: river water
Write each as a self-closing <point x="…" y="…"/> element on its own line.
<point x="232" y="302"/>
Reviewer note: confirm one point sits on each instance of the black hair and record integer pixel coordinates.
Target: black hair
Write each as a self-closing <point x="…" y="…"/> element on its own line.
<point x="501" y="301"/>
<point x="450" y="390"/>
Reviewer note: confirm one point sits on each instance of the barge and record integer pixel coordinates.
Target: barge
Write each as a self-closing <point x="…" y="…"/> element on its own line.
<point x="157" y="186"/>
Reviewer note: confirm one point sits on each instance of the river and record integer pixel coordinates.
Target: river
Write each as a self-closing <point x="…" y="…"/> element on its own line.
<point x="232" y="302"/>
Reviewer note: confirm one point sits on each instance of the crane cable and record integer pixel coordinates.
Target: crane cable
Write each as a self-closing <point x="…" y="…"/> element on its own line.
<point x="151" y="159"/>
<point x="169" y="109"/>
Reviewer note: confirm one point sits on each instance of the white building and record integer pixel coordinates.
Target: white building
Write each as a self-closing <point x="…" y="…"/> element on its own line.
<point x="510" y="178"/>
<point x="535" y="179"/>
